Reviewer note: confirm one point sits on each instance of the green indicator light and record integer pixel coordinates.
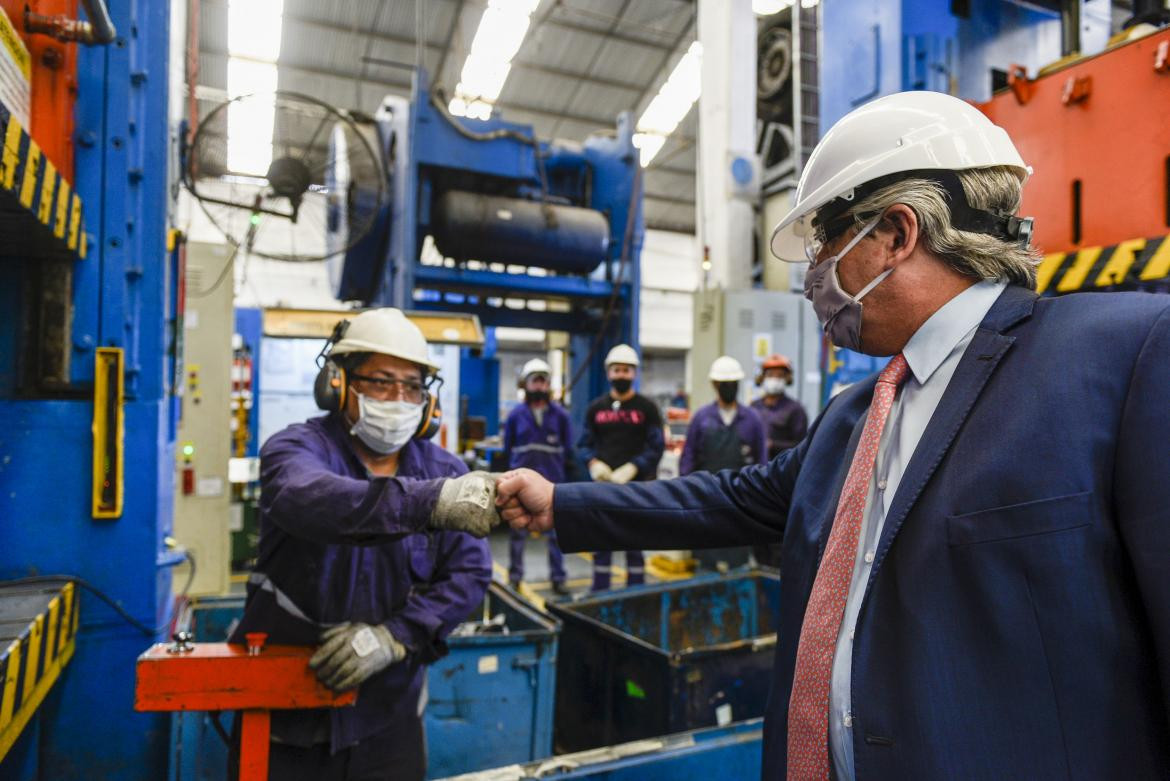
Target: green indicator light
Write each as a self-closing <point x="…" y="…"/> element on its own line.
<point x="188" y="449"/>
<point x="255" y="219"/>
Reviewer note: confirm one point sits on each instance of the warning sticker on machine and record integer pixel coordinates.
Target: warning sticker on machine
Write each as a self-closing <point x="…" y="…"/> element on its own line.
<point x="15" y="71"/>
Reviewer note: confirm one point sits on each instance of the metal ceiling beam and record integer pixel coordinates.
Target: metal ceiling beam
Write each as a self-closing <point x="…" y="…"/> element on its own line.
<point x="672" y="199"/>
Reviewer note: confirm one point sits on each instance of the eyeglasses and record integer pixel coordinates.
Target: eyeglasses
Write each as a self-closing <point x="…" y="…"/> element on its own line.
<point x="386" y="389"/>
<point x="824" y="233"/>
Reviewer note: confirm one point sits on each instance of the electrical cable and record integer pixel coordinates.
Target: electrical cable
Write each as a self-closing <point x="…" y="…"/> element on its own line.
<point x="114" y="604"/>
<point x="227" y="267"/>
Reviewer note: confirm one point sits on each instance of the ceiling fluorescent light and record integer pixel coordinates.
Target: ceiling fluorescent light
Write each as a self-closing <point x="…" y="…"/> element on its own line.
<point x="500" y="33"/>
<point x="254" y="28"/>
<point x="769" y="7"/>
<point x="671" y="104"/>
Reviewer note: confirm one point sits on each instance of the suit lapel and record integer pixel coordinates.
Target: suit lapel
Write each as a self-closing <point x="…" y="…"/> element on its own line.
<point x="978" y="363"/>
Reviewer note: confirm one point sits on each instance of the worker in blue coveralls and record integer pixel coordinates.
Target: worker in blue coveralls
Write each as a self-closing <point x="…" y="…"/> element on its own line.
<point x="622" y="442"/>
<point x="537" y="435"/>
<point x="340" y="566"/>
<point x="723" y="435"/>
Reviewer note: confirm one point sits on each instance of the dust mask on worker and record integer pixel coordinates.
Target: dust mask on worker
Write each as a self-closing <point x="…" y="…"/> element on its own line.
<point x="386" y="426"/>
<point x="774" y="386"/>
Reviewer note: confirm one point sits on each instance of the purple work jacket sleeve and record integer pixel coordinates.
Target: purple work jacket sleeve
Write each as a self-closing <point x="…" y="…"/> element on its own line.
<point x="304" y="496"/>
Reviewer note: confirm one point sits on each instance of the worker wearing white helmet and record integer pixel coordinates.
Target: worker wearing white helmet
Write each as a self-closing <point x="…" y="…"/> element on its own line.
<point x="623" y="441"/>
<point x="974" y="542"/>
<point x="723" y="435"/>
<point x="538" y="436"/>
<point x="341" y="564"/>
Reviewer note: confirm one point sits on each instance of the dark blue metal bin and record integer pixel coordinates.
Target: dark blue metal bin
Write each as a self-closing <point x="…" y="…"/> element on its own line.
<point x="730" y="753"/>
<point x="664" y="658"/>
<point x="491" y="698"/>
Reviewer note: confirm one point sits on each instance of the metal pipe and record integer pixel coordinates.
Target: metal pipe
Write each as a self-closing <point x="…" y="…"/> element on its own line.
<point x="98" y="31"/>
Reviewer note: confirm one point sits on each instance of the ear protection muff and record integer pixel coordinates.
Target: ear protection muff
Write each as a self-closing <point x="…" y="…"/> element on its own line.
<point x="432" y="417"/>
<point x="330" y="387"/>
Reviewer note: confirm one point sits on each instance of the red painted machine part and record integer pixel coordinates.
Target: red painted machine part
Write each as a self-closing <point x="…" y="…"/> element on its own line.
<point x="1107" y="151"/>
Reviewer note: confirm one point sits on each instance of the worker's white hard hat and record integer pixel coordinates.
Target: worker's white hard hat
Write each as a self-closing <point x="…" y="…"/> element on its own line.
<point x="535" y="366"/>
<point x="624" y="354"/>
<point x="725" y="369"/>
<point x="386" y="331"/>
<point x="909" y="131"/>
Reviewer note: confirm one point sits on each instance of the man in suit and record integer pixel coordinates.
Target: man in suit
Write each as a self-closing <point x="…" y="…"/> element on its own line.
<point x="974" y="543"/>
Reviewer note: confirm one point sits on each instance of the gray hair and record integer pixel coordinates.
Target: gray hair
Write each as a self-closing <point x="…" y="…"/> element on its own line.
<point x="978" y="255"/>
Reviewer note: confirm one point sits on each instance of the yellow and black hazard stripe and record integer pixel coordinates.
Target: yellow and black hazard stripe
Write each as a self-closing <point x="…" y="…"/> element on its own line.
<point x="31" y="659"/>
<point x="1130" y="264"/>
<point x="33" y="193"/>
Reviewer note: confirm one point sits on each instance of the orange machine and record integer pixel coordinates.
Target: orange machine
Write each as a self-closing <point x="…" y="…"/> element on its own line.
<point x="217" y="676"/>
<point x="1096" y="132"/>
<point x="53" y="82"/>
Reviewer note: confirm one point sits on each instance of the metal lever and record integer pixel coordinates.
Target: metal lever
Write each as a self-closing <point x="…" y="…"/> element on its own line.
<point x="182" y="643"/>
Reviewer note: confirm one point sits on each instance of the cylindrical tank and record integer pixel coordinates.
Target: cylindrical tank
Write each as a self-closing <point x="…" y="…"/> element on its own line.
<point x="494" y="229"/>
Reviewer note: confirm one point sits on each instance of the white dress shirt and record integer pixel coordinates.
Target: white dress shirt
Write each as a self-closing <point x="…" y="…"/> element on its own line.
<point x="933" y="354"/>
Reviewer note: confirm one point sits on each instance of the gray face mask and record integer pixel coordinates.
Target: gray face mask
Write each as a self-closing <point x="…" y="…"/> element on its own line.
<point x="839" y="312"/>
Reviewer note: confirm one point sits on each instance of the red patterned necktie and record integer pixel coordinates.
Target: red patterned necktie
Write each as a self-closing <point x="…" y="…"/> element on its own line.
<point x="808" y="708"/>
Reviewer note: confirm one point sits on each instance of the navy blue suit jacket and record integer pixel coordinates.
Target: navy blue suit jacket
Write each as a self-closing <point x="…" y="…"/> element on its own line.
<point x="1016" y="624"/>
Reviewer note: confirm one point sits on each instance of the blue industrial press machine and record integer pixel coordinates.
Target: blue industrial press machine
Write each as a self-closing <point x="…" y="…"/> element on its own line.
<point x="531" y="234"/>
<point x="87" y="365"/>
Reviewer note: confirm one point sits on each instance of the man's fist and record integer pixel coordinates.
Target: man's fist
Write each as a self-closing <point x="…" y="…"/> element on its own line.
<point x="467" y="504"/>
<point x="525" y="500"/>
<point x="599" y="471"/>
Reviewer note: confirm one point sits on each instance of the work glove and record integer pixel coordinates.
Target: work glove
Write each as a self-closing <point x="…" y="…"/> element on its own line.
<point x="352" y="652"/>
<point x="624" y="474"/>
<point x="467" y="504"/>
<point x="600" y="471"/>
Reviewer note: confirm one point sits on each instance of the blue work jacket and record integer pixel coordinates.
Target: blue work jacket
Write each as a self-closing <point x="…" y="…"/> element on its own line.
<point x="746" y="433"/>
<point x="1016" y="621"/>
<point x="338" y="545"/>
<point x="541" y="447"/>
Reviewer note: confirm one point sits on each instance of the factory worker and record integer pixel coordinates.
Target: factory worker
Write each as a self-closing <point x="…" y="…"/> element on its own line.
<point x="622" y="442"/>
<point x="974" y="540"/>
<point x="785" y="421"/>
<point x="354" y="557"/>
<point x="537" y="435"/>
<point x="723" y="435"/>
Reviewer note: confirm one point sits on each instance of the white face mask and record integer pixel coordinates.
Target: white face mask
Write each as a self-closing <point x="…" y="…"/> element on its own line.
<point x="774" y="386"/>
<point x="386" y="426"/>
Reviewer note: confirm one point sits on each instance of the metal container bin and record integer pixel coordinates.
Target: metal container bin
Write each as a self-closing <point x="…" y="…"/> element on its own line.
<point x="731" y="753"/>
<point x="491" y="698"/>
<point x="664" y="658"/>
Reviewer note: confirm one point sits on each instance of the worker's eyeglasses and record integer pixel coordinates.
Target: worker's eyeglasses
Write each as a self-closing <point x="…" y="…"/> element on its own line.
<point x="824" y="233"/>
<point x="386" y="389"/>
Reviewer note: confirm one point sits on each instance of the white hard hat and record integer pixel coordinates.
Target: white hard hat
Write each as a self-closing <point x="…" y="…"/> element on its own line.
<point x="725" y="369"/>
<point x="909" y="131"/>
<point x="535" y="366"/>
<point x="385" y="331"/>
<point x="624" y="354"/>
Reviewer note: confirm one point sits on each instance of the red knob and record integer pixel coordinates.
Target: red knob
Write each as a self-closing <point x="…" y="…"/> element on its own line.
<point x="255" y="642"/>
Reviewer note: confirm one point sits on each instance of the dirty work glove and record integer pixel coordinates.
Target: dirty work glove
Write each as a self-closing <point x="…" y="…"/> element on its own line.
<point x="351" y="653"/>
<point x="600" y="471"/>
<point x="467" y="504"/>
<point x="624" y="474"/>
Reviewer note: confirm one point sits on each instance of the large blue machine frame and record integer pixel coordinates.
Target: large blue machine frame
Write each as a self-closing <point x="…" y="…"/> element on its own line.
<point x="123" y="296"/>
<point x="425" y="151"/>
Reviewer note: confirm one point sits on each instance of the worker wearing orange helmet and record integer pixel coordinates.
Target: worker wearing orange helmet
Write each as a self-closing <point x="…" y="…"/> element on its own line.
<point x="785" y="421"/>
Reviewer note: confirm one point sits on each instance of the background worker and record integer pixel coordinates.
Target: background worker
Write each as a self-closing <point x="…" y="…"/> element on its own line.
<point x="622" y="442"/>
<point x="340" y="565"/>
<point x="785" y="424"/>
<point x="723" y="435"/>
<point x="537" y="435"/>
<point x="785" y="421"/>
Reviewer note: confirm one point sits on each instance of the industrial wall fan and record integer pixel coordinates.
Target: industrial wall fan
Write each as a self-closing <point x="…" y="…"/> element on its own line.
<point x="318" y="192"/>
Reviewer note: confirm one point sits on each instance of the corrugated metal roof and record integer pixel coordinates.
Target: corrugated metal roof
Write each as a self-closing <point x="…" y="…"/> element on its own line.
<point x="581" y="64"/>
